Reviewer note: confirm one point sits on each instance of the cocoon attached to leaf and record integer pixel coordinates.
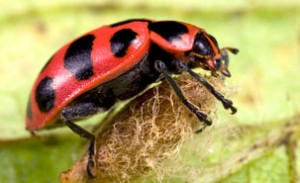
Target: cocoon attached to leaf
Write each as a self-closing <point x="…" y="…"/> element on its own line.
<point x="146" y="133"/>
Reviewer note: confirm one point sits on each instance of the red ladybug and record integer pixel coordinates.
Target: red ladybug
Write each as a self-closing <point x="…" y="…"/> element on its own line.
<point x="116" y="62"/>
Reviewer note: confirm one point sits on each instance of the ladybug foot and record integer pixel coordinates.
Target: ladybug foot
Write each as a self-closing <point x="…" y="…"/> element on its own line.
<point x="201" y="129"/>
<point x="228" y="105"/>
<point x="91" y="164"/>
<point x="91" y="168"/>
<point x="203" y="117"/>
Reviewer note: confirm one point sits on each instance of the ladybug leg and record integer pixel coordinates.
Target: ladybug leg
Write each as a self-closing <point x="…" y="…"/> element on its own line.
<point x="226" y="103"/>
<point x="80" y="111"/>
<point x="91" y="151"/>
<point x="161" y="67"/>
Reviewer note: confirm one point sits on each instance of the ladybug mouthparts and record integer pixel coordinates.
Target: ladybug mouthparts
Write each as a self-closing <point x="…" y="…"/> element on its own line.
<point x="217" y="63"/>
<point x="221" y="63"/>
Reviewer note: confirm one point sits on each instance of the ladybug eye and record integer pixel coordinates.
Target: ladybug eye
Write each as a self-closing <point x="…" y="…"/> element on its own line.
<point x="202" y="45"/>
<point x="217" y="64"/>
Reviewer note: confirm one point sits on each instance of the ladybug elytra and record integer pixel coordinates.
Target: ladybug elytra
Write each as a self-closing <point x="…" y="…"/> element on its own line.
<point x="116" y="62"/>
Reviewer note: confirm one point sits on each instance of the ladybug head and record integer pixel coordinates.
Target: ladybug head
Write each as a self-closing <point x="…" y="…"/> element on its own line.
<point x="206" y="54"/>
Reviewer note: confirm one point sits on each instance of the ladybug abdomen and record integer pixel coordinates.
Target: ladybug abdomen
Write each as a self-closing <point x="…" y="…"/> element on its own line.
<point x="130" y="83"/>
<point x="123" y="87"/>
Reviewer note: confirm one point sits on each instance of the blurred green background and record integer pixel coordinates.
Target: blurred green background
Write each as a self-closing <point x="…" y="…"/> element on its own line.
<point x="265" y="81"/>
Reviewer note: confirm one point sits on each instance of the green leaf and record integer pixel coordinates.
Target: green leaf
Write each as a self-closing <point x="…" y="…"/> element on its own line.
<point x="265" y="80"/>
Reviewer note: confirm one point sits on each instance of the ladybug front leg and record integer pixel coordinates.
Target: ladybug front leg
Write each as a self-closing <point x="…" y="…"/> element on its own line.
<point x="226" y="103"/>
<point x="80" y="111"/>
<point x="161" y="67"/>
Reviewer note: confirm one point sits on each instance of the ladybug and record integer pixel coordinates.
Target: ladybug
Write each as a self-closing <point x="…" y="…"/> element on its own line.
<point x="115" y="63"/>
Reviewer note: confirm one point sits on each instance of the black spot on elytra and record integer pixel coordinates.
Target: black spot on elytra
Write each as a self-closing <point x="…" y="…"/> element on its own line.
<point x="169" y="30"/>
<point x="129" y="21"/>
<point x="201" y="45"/>
<point x="29" y="110"/>
<point x="121" y="40"/>
<point x="45" y="94"/>
<point x="78" y="57"/>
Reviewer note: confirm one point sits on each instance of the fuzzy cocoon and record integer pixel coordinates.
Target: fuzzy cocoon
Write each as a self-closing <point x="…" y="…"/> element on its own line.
<point x="146" y="133"/>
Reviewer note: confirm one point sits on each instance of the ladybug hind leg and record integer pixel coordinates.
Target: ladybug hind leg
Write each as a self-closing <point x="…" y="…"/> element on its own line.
<point x="80" y="111"/>
<point x="91" y="151"/>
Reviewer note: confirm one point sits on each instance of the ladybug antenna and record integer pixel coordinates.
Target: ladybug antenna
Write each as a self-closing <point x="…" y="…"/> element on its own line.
<point x="224" y="56"/>
<point x="232" y="50"/>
